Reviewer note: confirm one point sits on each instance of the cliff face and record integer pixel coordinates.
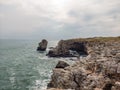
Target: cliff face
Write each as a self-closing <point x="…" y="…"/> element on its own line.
<point x="64" y="47"/>
<point x="82" y="46"/>
<point x="100" y="70"/>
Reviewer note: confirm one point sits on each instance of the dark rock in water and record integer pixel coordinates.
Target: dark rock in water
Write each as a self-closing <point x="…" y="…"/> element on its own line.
<point x="62" y="64"/>
<point x="51" y="53"/>
<point x="51" y="48"/>
<point x="42" y="45"/>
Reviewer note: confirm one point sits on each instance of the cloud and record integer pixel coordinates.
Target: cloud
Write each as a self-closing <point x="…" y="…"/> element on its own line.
<point x="57" y="19"/>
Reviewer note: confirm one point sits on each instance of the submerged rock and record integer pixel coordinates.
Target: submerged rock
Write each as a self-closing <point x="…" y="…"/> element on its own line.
<point x="42" y="45"/>
<point x="62" y="64"/>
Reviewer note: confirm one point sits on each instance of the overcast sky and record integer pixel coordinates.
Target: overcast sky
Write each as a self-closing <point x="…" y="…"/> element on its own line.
<point x="59" y="19"/>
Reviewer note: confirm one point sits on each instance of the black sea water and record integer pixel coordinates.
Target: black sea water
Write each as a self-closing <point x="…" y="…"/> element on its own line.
<point x="22" y="67"/>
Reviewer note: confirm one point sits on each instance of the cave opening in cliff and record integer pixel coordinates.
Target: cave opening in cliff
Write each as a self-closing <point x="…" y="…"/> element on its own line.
<point x="80" y="48"/>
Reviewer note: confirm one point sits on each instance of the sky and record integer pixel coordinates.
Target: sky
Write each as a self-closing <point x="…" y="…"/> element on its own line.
<point x="59" y="19"/>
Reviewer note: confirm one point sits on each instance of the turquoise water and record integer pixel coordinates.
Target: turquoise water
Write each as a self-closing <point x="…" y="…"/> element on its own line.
<point x="22" y="67"/>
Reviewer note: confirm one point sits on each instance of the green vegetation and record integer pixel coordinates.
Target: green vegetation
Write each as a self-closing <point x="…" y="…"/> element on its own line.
<point x="95" y="39"/>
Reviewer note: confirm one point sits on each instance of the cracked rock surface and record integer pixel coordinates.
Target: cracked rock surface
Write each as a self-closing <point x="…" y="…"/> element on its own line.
<point x="100" y="70"/>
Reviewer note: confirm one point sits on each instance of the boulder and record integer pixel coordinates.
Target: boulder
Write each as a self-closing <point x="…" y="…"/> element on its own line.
<point x="42" y="45"/>
<point x="62" y="64"/>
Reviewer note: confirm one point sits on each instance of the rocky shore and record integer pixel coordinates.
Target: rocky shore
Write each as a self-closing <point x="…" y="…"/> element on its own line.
<point x="99" y="70"/>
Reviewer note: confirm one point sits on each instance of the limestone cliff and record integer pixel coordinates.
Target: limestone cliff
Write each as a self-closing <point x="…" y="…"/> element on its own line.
<point x="100" y="70"/>
<point x="82" y="46"/>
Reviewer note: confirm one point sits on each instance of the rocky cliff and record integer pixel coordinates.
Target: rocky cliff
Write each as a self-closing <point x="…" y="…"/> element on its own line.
<point x="76" y="47"/>
<point x="100" y="70"/>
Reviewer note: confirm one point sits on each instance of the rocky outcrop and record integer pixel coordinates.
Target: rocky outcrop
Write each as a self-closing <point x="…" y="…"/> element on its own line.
<point x="42" y="45"/>
<point x="81" y="46"/>
<point x="68" y="49"/>
<point x="62" y="64"/>
<point x="100" y="70"/>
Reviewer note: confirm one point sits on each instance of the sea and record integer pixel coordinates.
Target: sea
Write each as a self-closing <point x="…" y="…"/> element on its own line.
<point x="24" y="68"/>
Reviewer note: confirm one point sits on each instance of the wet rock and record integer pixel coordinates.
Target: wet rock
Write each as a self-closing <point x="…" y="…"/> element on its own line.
<point x="62" y="64"/>
<point x="42" y="45"/>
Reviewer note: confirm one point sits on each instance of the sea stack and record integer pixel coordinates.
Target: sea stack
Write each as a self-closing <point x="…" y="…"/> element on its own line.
<point x="42" y="45"/>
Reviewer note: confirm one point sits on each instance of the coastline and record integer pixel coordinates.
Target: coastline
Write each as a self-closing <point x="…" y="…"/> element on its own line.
<point x="103" y="59"/>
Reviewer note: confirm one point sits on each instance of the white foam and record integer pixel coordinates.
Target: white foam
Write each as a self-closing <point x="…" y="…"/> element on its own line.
<point x="40" y="85"/>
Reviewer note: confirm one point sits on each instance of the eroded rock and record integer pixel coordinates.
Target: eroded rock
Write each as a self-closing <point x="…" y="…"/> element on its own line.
<point x="62" y="64"/>
<point x="100" y="70"/>
<point x="65" y="47"/>
<point x="42" y="45"/>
